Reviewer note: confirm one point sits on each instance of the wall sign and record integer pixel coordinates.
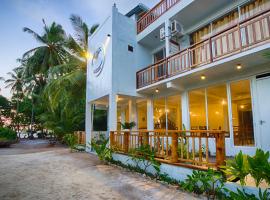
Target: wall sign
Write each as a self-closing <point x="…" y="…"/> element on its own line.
<point x="98" y="61"/>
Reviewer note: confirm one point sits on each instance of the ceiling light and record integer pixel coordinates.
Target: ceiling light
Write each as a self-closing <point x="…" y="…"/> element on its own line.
<point x="238" y="66"/>
<point x="242" y="106"/>
<point x="203" y="77"/>
<point x="157" y="90"/>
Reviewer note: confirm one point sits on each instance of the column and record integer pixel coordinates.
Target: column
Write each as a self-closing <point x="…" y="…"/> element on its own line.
<point x="167" y="38"/>
<point x="132" y="111"/>
<point x="112" y="112"/>
<point x="150" y="114"/>
<point x="88" y="125"/>
<point x="185" y="110"/>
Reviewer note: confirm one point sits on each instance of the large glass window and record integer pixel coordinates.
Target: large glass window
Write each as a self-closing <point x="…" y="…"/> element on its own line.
<point x="217" y="108"/>
<point x="242" y="113"/>
<point x="142" y="115"/>
<point x="197" y="109"/>
<point x="174" y="114"/>
<point x="159" y="114"/>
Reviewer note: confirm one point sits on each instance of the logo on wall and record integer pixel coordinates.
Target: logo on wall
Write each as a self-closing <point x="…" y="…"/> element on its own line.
<point x="98" y="61"/>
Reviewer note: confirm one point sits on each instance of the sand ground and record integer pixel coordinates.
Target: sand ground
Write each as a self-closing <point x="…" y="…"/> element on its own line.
<point x="31" y="170"/>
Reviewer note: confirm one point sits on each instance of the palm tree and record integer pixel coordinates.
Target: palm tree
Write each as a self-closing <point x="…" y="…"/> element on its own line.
<point x="51" y="52"/>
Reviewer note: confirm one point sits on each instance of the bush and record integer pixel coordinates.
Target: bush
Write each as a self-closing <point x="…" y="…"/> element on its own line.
<point x="71" y="140"/>
<point x="100" y="146"/>
<point x="8" y="134"/>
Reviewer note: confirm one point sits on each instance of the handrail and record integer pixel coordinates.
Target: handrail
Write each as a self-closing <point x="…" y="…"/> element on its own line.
<point x="154" y="14"/>
<point x="205" y="51"/>
<point x="184" y="147"/>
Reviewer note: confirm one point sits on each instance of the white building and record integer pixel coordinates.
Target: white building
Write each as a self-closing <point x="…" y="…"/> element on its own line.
<point x="195" y="65"/>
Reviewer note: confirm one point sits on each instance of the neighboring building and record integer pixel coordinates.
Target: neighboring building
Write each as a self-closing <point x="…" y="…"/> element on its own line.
<point x="185" y="65"/>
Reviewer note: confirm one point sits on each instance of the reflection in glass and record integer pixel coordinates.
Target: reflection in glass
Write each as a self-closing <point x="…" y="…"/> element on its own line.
<point x="242" y="113"/>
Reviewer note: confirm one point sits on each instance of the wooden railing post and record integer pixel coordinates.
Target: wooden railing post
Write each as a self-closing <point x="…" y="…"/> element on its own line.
<point x="126" y="141"/>
<point x="146" y="138"/>
<point x="111" y="139"/>
<point x="174" y="157"/>
<point x="220" y="149"/>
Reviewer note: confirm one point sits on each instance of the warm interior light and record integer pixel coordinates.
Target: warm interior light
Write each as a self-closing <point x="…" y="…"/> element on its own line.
<point x="238" y="66"/>
<point x="242" y="106"/>
<point x="223" y="102"/>
<point x="157" y="90"/>
<point x="87" y="55"/>
<point x="203" y="77"/>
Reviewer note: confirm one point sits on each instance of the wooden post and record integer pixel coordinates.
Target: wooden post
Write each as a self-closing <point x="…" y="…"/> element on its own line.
<point x="174" y="157"/>
<point x="126" y="142"/>
<point x="146" y="138"/>
<point x="220" y="149"/>
<point x="111" y="139"/>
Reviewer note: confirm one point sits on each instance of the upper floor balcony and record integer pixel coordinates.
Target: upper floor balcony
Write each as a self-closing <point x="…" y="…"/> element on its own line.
<point x="236" y="38"/>
<point x="153" y="14"/>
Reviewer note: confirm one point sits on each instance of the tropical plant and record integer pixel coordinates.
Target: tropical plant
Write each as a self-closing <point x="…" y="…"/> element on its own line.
<point x="243" y="195"/>
<point x="128" y="125"/>
<point x="208" y="182"/>
<point x="100" y="147"/>
<point x="237" y="168"/>
<point x="259" y="166"/>
<point x="71" y="140"/>
<point x="144" y="157"/>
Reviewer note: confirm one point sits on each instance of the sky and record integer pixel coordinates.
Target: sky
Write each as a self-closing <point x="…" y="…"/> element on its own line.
<point x="16" y="14"/>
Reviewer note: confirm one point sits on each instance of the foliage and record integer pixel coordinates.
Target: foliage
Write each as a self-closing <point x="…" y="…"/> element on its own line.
<point x="71" y="140"/>
<point x="167" y="179"/>
<point x="128" y="125"/>
<point x="144" y="157"/>
<point x="238" y="168"/>
<point x="242" y="165"/>
<point x="243" y="195"/>
<point x="208" y="182"/>
<point x="259" y="166"/>
<point x="7" y="134"/>
<point x="100" y="146"/>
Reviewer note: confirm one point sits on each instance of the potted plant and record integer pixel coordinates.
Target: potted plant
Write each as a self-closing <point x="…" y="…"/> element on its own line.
<point x="127" y="126"/>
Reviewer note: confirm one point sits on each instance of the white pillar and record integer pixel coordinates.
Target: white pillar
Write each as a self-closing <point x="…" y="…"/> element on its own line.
<point x="150" y="114"/>
<point x="167" y="38"/>
<point x="132" y="111"/>
<point x="185" y="110"/>
<point x="88" y="124"/>
<point x="112" y="112"/>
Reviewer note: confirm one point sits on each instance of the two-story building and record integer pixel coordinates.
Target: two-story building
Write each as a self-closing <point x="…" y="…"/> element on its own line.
<point x="191" y="67"/>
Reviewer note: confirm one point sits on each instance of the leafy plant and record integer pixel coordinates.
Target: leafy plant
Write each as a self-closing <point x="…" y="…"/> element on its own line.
<point x="166" y="178"/>
<point x="144" y="157"/>
<point x="100" y="146"/>
<point x="128" y="125"/>
<point x="243" y="195"/>
<point x="208" y="182"/>
<point x="259" y="166"/>
<point x="71" y="140"/>
<point x="238" y="168"/>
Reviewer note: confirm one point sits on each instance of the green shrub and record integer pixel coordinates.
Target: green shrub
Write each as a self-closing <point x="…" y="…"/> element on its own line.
<point x="242" y="195"/>
<point x="238" y="168"/>
<point x="6" y="134"/>
<point x="71" y="140"/>
<point x="100" y="146"/>
<point x="259" y="166"/>
<point x="144" y="157"/>
<point x="208" y="182"/>
<point x="128" y="125"/>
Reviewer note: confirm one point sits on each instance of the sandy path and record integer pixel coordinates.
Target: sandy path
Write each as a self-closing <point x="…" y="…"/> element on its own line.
<point x="54" y="173"/>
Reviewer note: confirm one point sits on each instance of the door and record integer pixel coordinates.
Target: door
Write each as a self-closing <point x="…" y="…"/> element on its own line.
<point x="161" y="68"/>
<point x="263" y="87"/>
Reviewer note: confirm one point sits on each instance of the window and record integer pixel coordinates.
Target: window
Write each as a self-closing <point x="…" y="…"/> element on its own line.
<point x="159" y="114"/>
<point x="242" y="113"/>
<point x="130" y="48"/>
<point x="197" y="111"/>
<point x="142" y="115"/>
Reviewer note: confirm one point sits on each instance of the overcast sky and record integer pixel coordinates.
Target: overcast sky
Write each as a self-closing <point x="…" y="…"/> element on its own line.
<point x="16" y="14"/>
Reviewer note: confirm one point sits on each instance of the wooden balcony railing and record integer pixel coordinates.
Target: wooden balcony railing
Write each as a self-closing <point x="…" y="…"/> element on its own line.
<point x="149" y="17"/>
<point x="188" y="148"/>
<point x="240" y="37"/>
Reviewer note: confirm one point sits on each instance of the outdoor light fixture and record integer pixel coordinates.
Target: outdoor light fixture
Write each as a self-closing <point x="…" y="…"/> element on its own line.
<point x="109" y="35"/>
<point x="157" y="90"/>
<point x="238" y="66"/>
<point x="203" y="77"/>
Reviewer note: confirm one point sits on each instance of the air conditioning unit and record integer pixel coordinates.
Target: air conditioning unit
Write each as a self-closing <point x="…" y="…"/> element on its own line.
<point x="176" y="28"/>
<point x="162" y="34"/>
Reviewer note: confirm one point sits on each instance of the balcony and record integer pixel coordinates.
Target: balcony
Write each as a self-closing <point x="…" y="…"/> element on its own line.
<point x="153" y="14"/>
<point x="240" y="37"/>
<point x="188" y="148"/>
